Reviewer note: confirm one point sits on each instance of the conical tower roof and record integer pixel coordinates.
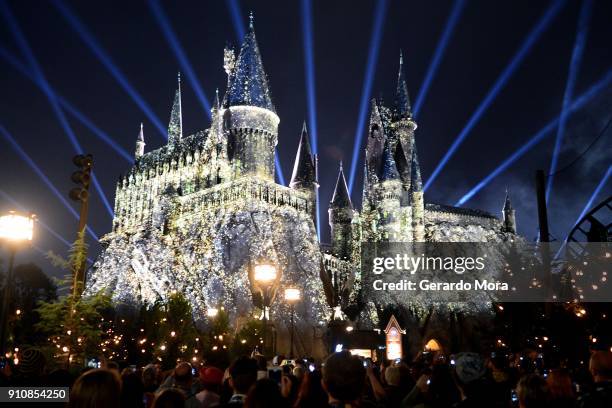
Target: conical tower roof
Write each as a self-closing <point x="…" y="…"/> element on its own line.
<point x="175" y="126"/>
<point x="341" y="197"/>
<point x="140" y="134"/>
<point x="388" y="169"/>
<point x="402" y="98"/>
<point x="507" y="203"/>
<point x="303" y="168"/>
<point x="248" y="82"/>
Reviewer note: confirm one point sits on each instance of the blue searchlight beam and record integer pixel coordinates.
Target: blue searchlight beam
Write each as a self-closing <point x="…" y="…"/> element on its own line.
<point x="179" y="53"/>
<point x="59" y="113"/>
<point x="379" y="19"/>
<point x="538" y="137"/>
<point x="5" y="133"/>
<point x="581" y="35"/>
<point x="453" y="18"/>
<point x="107" y="61"/>
<point x="67" y="106"/>
<point x="502" y="80"/>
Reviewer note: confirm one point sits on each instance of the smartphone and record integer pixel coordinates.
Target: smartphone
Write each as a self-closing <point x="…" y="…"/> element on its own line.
<point x="311" y="367"/>
<point x="194" y="371"/>
<point x="428" y="382"/>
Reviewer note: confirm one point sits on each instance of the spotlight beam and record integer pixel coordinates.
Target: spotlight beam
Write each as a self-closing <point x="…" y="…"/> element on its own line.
<point x="234" y="8"/>
<point x="500" y="83"/>
<point x="279" y="170"/>
<point x="179" y="53"/>
<point x="309" y="69"/>
<point x="379" y="19"/>
<point x="538" y="137"/>
<point x="108" y="63"/>
<point x="451" y="22"/>
<point x="308" y="44"/>
<point x="42" y="176"/>
<point x="59" y="113"/>
<point x="67" y="106"/>
<point x="574" y="68"/>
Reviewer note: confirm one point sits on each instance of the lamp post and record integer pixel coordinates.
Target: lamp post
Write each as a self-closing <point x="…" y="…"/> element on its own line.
<point x="265" y="275"/>
<point x="15" y="231"/>
<point x="292" y="295"/>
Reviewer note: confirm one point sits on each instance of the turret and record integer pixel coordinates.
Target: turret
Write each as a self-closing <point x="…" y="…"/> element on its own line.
<point x="249" y="113"/>
<point x="509" y="216"/>
<point x="175" y="126"/>
<point x="304" y="176"/>
<point x="140" y="144"/>
<point x="418" y="205"/>
<point x="340" y="219"/>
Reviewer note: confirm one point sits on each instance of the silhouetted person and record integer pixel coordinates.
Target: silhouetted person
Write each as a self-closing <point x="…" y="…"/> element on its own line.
<point x="243" y="374"/>
<point x="560" y="389"/>
<point x="99" y="388"/>
<point x="532" y="391"/>
<point x="169" y="398"/>
<point x="600" y="366"/>
<point x="344" y="379"/>
<point x="265" y="393"/>
<point x="311" y="393"/>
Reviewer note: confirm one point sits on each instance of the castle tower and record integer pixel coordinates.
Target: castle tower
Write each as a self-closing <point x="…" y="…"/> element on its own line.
<point x="403" y="123"/>
<point x="340" y="219"/>
<point x="509" y="216"/>
<point x="250" y="116"/>
<point x="418" y="205"/>
<point x="388" y="192"/>
<point x="140" y="144"/>
<point x="175" y="126"/>
<point x="304" y="176"/>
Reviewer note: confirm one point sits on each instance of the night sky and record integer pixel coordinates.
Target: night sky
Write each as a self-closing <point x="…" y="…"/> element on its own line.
<point x="486" y="37"/>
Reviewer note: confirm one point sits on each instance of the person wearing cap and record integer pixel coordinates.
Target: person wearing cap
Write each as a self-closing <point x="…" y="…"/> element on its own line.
<point x="211" y="379"/>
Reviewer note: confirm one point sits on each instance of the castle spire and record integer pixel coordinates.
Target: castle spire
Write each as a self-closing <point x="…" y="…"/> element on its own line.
<point x="341" y="197"/>
<point x="388" y="171"/>
<point x="509" y="215"/>
<point x="402" y="98"/>
<point x="416" y="183"/>
<point x="303" y="168"/>
<point x="140" y="143"/>
<point x="175" y="126"/>
<point x="249" y="84"/>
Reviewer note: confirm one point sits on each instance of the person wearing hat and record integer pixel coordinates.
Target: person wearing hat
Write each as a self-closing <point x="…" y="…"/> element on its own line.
<point x="211" y="379"/>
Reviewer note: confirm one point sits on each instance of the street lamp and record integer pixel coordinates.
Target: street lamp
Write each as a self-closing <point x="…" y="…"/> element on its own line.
<point x="292" y="295"/>
<point x="265" y="275"/>
<point x="212" y="312"/>
<point x="15" y="231"/>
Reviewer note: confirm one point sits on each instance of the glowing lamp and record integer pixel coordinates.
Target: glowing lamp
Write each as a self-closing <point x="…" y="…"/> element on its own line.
<point x="292" y="294"/>
<point x="16" y="228"/>
<point x="264" y="273"/>
<point x="212" y="312"/>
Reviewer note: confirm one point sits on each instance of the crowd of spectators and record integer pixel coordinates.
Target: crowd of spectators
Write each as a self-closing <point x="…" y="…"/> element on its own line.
<point x="432" y="380"/>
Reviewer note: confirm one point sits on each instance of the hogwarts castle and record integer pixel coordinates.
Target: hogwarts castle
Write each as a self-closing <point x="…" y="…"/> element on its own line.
<point x="197" y="214"/>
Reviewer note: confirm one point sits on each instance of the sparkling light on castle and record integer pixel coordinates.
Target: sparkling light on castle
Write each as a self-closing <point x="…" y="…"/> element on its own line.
<point x="195" y="215"/>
